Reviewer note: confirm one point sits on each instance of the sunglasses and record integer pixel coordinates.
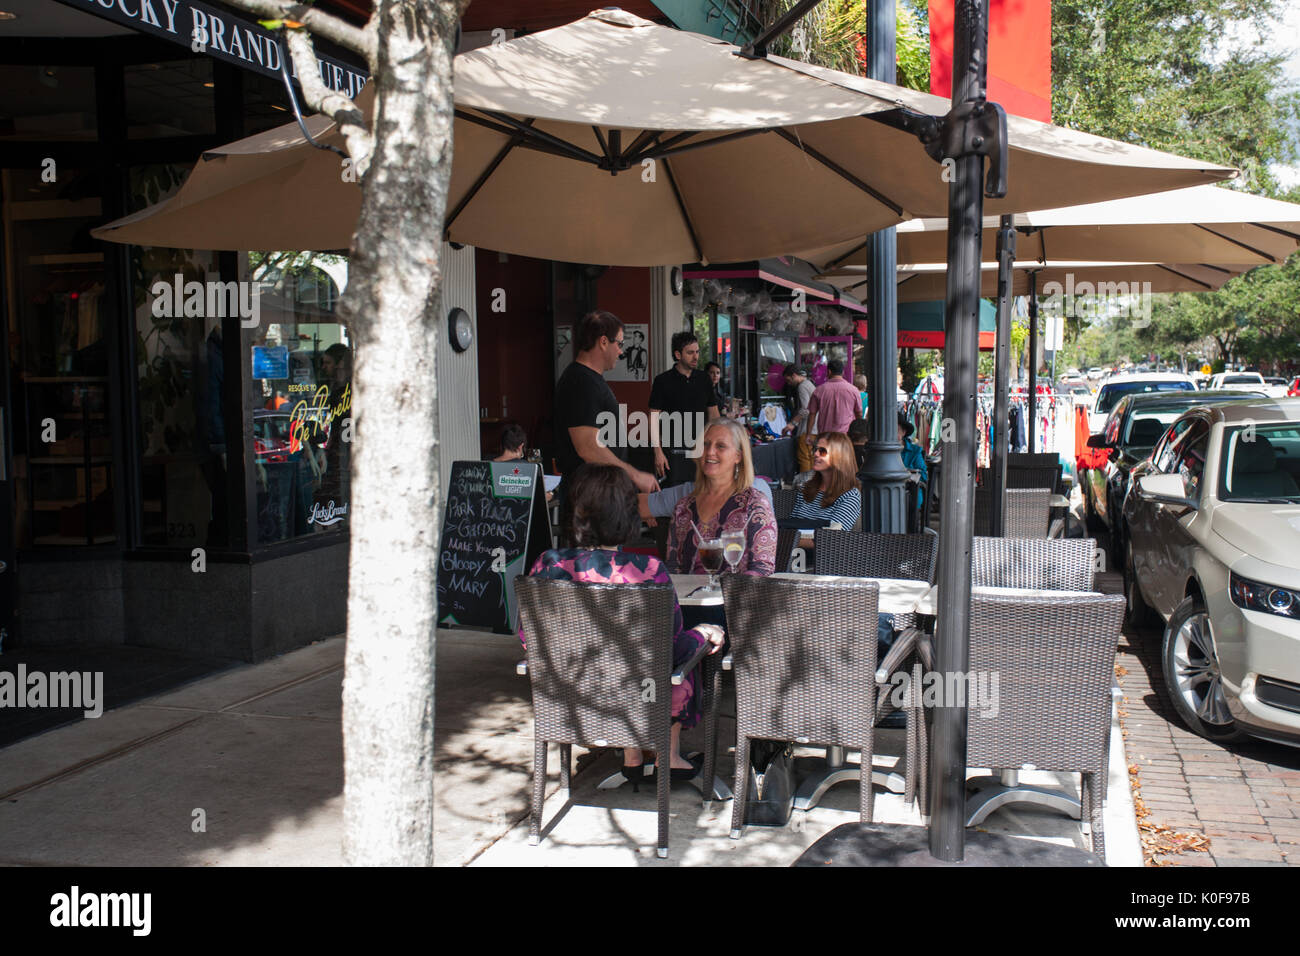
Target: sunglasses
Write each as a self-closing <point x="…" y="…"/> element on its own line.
<point x="821" y="450"/>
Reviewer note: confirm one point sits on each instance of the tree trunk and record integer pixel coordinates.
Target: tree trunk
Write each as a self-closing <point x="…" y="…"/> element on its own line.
<point x="393" y="301"/>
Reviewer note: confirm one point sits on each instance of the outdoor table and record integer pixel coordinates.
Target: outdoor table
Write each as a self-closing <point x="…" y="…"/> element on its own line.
<point x="692" y="590"/>
<point x="775" y="459"/>
<point x="994" y="792"/>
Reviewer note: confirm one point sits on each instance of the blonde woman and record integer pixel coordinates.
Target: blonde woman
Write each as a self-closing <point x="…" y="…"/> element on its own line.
<point x="724" y="499"/>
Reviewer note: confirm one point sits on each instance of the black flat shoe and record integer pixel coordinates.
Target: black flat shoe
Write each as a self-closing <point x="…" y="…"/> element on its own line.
<point x="637" y="776"/>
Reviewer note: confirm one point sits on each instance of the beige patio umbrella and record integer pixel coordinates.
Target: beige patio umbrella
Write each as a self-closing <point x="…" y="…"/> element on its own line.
<point x="1202" y="224"/>
<point x="925" y="282"/>
<point x="614" y="140"/>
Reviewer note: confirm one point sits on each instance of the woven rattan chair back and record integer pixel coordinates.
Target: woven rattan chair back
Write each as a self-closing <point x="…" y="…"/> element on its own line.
<point x="590" y="648"/>
<point x="1048" y="477"/>
<point x="873" y="555"/>
<point x="1040" y="564"/>
<point x="1054" y="662"/>
<point x="783" y="502"/>
<point x="1028" y="512"/>
<point x="805" y="660"/>
<point x="786" y="539"/>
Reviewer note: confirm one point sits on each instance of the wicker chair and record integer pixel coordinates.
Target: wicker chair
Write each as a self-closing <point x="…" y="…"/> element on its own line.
<point x="786" y="539"/>
<point x="877" y="555"/>
<point x="1027" y="512"/>
<point x="783" y="502"/>
<point x="1040" y="564"/>
<point x="1055" y="662"/>
<point x="591" y="647"/>
<point x="803" y="671"/>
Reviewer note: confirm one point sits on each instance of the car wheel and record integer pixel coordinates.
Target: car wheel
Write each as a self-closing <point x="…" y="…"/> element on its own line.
<point x="1191" y="671"/>
<point x="1138" y="611"/>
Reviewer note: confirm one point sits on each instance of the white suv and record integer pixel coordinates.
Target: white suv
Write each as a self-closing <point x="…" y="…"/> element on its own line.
<point x="1117" y="386"/>
<point x="1214" y="548"/>
<point x="1246" y="382"/>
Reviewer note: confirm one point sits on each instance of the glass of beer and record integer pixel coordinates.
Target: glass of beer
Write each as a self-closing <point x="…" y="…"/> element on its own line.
<point x="711" y="557"/>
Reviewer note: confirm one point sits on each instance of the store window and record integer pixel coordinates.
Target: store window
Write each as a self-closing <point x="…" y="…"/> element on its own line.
<point x="53" y="103"/>
<point x="170" y="98"/>
<point x="300" y="393"/>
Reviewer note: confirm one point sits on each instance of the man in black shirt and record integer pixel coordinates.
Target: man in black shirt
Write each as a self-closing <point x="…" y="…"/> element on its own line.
<point x="687" y="394"/>
<point x="583" y="398"/>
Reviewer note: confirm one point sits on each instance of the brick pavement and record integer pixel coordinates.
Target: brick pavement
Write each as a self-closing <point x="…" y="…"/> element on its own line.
<point x="1242" y="800"/>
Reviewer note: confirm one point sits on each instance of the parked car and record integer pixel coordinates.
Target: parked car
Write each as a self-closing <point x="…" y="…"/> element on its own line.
<point x="1247" y="381"/>
<point x="1294" y="390"/>
<point x="1116" y="387"/>
<point x="1214" y="549"/>
<point x="1135" y="425"/>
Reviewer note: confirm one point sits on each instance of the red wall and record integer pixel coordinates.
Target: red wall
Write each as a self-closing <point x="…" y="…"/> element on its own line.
<point x="625" y="291"/>
<point x="514" y="346"/>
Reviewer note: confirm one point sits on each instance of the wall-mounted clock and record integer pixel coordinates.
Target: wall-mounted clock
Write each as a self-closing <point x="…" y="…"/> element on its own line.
<point x="460" y="328"/>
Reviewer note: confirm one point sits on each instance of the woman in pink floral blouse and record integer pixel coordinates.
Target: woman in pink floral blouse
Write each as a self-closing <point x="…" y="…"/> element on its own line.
<point x="724" y="499"/>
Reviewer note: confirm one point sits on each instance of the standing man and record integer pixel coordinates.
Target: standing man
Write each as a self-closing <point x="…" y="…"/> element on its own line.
<point x="582" y="397"/>
<point x="835" y="403"/>
<point x="686" y="393"/>
<point x="801" y="422"/>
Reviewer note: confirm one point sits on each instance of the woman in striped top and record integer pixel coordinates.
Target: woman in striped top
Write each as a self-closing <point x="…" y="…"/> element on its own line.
<point x="830" y="491"/>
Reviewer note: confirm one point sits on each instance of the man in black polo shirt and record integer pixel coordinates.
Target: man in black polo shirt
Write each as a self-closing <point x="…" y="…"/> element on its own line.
<point x="582" y="396"/>
<point x="686" y="393"/>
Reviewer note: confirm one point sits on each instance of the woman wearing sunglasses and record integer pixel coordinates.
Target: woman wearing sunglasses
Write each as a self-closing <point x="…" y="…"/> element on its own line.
<point x="830" y="491"/>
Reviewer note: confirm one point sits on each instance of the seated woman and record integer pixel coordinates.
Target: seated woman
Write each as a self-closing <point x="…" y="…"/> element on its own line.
<point x="830" y="491"/>
<point x="604" y="518"/>
<point x="513" y="441"/>
<point x="724" y="499"/>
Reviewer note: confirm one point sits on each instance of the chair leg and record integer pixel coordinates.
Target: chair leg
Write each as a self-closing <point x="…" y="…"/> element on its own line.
<point x="866" y="793"/>
<point x="1093" y="811"/>
<point x="662" y="780"/>
<point x="711" y="681"/>
<point x="741" y="789"/>
<point x="566" y="769"/>
<point x="539" y="791"/>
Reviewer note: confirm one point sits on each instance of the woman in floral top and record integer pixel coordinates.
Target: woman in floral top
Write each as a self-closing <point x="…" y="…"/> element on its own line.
<point x="724" y="499"/>
<point x="604" y="517"/>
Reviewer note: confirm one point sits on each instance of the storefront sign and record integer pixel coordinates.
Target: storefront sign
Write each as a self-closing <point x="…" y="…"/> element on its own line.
<point x="219" y="33"/>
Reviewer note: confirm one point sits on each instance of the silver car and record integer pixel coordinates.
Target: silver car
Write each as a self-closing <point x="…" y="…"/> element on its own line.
<point x="1214" y="549"/>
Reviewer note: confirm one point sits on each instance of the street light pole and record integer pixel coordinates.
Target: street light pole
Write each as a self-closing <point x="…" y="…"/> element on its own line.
<point x="884" y="479"/>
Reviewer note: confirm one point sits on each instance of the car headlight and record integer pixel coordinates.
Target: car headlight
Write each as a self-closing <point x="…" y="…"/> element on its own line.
<point x="1254" y="596"/>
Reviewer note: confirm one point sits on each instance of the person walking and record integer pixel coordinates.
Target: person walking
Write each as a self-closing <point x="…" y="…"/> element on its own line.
<point x="797" y="379"/>
<point x="835" y="403"/>
<point x="583" y="398"/>
<point x="682" y="404"/>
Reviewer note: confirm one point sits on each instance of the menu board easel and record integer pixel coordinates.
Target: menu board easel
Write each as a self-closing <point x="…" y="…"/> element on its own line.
<point x="494" y="527"/>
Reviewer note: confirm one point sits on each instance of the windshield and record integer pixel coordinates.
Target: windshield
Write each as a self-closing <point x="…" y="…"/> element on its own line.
<point x="1261" y="463"/>
<point x="1145" y="429"/>
<point x="1112" y="392"/>
<point x="1242" y="379"/>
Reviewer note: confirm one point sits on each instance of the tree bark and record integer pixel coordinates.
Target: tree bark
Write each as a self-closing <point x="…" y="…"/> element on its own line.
<point x="393" y="307"/>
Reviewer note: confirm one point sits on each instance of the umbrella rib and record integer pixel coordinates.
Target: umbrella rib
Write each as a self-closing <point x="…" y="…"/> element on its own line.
<point x="1279" y="230"/>
<point x="668" y="149"/>
<point x="1183" y="275"/>
<point x="604" y="146"/>
<point x="686" y="216"/>
<point x="838" y="170"/>
<point x="1238" y="242"/>
<point x="840" y="261"/>
<point x="629" y="155"/>
<point x="479" y="183"/>
<point x="532" y="136"/>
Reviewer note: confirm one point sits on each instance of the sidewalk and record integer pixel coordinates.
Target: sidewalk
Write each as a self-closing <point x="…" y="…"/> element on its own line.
<point x="257" y="750"/>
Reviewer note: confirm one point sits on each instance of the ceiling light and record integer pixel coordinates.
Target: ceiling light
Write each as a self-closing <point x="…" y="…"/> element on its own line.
<point x="6" y="15"/>
<point x="208" y="86"/>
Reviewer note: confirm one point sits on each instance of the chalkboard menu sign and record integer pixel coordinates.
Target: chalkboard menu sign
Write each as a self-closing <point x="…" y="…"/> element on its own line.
<point x="494" y="527"/>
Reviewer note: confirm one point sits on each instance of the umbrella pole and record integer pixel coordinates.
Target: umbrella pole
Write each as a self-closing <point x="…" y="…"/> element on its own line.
<point x="884" y="479"/>
<point x="1001" y="361"/>
<point x="1033" y="358"/>
<point x="961" y="361"/>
